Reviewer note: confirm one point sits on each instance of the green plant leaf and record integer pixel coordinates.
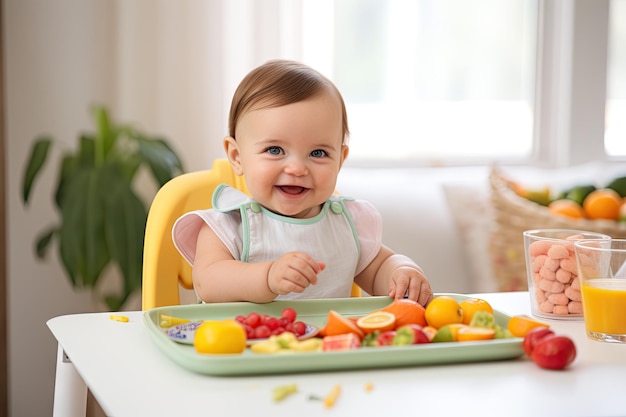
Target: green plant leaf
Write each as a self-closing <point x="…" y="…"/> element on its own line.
<point x="82" y="242"/>
<point x="162" y="160"/>
<point x="38" y="155"/>
<point x="105" y="134"/>
<point x="41" y="246"/>
<point x="125" y="225"/>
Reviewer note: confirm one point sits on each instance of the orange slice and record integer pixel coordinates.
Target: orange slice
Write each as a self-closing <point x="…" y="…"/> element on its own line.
<point x="520" y="325"/>
<point x="378" y="320"/>
<point x="466" y="334"/>
<point x="406" y="312"/>
<point x="337" y="324"/>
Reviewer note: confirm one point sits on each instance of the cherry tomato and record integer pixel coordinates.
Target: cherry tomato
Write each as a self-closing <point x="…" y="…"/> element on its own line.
<point x="298" y="328"/>
<point x="253" y="320"/>
<point x="289" y="313"/>
<point x="554" y="352"/>
<point x="262" y="332"/>
<point x="272" y="323"/>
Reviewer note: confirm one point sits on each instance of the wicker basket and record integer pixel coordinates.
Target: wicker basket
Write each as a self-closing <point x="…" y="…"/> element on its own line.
<point x="512" y="215"/>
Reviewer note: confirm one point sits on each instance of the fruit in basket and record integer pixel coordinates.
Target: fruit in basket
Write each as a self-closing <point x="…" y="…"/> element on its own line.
<point x="619" y="185"/>
<point x="220" y="336"/>
<point x="603" y="203"/>
<point x="406" y="312"/>
<point x="577" y="193"/>
<point x="443" y="310"/>
<point x="566" y="207"/>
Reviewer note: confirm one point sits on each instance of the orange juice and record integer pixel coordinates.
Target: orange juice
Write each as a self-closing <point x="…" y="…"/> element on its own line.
<point x="604" y="305"/>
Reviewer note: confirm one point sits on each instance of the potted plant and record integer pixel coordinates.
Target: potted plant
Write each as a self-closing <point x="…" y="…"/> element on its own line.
<point x="102" y="219"/>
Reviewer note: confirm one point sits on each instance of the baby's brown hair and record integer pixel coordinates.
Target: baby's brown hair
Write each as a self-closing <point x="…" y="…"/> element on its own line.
<point x="278" y="83"/>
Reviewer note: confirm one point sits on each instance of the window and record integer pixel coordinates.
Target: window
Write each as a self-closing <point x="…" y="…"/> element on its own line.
<point x="615" y="133"/>
<point x="431" y="80"/>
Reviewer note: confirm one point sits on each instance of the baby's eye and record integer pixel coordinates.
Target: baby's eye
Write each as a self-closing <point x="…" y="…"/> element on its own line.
<point x="274" y="150"/>
<point x="318" y="153"/>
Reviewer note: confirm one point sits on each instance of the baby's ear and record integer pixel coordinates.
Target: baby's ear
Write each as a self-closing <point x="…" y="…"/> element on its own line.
<point x="232" y="152"/>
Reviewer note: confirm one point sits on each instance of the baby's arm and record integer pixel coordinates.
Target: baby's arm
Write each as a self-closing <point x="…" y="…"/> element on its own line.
<point x="395" y="275"/>
<point x="217" y="277"/>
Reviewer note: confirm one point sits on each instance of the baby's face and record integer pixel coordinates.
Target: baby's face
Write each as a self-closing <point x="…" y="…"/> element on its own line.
<point x="291" y="155"/>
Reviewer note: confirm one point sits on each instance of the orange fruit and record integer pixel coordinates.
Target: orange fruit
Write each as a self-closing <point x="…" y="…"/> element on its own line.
<point x="603" y="203"/>
<point x="406" y="312"/>
<point x="443" y="310"/>
<point x="520" y="325"/>
<point x="471" y="306"/>
<point x="378" y="320"/>
<point x="566" y="207"/>
<point x="220" y="336"/>
<point x="466" y="334"/>
<point x="430" y="332"/>
<point x="338" y="324"/>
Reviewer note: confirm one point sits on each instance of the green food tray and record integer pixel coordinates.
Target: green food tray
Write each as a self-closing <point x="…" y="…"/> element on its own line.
<point x="315" y="312"/>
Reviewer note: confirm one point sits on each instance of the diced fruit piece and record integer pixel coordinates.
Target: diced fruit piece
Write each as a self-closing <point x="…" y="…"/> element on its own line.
<point x="430" y="331"/>
<point x="166" y="321"/>
<point x="386" y="338"/>
<point x="370" y="339"/>
<point x="521" y="324"/>
<point x="448" y="332"/>
<point x="475" y="333"/>
<point x="410" y="334"/>
<point x="344" y="341"/>
<point x="406" y="312"/>
<point x="281" y="392"/>
<point x="378" y="320"/>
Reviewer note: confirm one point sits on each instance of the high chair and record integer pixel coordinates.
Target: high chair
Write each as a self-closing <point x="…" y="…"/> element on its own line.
<point x="164" y="269"/>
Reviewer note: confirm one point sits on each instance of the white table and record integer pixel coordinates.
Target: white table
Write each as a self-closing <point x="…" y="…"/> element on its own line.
<point x="130" y="376"/>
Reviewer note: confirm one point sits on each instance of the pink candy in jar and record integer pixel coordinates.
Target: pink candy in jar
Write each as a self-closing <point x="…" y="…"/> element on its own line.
<point x="552" y="272"/>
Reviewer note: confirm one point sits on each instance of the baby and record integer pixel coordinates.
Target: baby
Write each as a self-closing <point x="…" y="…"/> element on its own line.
<point x="293" y="237"/>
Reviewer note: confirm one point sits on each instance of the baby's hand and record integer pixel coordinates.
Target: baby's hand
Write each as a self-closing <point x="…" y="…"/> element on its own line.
<point x="293" y="272"/>
<point x="412" y="281"/>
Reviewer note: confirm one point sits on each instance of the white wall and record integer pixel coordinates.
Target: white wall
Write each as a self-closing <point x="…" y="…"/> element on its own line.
<point x="57" y="65"/>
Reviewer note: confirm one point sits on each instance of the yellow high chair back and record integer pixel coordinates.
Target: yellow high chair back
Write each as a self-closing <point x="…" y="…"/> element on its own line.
<point x="164" y="269"/>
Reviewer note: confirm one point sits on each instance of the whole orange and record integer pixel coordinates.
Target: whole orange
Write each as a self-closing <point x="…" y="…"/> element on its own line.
<point x="471" y="306"/>
<point x="443" y="310"/>
<point x="566" y="207"/>
<point x="603" y="203"/>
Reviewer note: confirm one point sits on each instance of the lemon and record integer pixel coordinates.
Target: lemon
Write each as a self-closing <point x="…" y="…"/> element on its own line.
<point x="220" y="336"/>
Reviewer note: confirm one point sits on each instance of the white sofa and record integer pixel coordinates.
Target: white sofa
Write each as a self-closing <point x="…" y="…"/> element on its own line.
<point x="442" y="216"/>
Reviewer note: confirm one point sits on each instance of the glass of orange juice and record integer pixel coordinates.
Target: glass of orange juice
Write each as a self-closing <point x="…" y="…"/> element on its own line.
<point x="602" y="275"/>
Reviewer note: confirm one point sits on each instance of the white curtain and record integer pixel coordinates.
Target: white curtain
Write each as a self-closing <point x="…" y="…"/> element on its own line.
<point x="177" y="63"/>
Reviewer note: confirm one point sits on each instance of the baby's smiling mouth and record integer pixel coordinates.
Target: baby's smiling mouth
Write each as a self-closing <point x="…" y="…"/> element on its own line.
<point x="292" y="189"/>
